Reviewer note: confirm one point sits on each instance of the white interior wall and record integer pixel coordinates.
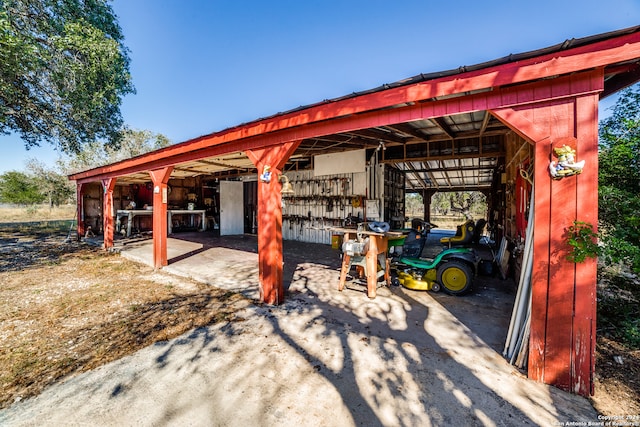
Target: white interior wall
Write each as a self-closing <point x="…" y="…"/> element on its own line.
<point x="336" y="163"/>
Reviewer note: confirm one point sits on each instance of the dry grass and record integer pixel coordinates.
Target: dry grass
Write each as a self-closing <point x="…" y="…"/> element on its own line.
<point x="37" y="213"/>
<point x="66" y="308"/>
<point x="448" y="222"/>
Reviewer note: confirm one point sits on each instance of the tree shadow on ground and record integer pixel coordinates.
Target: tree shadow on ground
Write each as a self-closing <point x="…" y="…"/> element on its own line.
<point x="22" y="248"/>
<point x="410" y="350"/>
<point x="409" y="370"/>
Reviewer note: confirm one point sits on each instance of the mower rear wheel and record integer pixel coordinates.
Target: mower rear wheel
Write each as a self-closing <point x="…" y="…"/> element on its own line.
<point x="455" y="277"/>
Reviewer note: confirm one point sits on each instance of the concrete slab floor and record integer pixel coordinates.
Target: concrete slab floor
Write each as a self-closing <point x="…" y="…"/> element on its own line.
<point x="231" y="262"/>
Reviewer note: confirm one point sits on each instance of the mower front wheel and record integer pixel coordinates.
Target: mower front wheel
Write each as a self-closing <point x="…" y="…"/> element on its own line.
<point x="455" y="277"/>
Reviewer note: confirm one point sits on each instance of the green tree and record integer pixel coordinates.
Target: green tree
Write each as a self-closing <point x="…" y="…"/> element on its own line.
<point x="440" y="203"/>
<point x="63" y="72"/>
<point x="20" y="188"/>
<point x="468" y="203"/>
<point x="619" y="180"/>
<point x="95" y="154"/>
<point x="54" y="186"/>
<point x="414" y="206"/>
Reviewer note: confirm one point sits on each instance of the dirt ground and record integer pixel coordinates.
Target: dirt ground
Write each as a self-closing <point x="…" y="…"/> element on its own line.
<point x="67" y="308"/>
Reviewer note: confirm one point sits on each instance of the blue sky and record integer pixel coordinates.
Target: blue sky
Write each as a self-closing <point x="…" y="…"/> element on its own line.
<point x="201" y="66"/>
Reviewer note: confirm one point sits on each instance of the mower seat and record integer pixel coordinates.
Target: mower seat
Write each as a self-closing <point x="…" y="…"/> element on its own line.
<point x="477" y="232"/>
<point x="464" y="235"/>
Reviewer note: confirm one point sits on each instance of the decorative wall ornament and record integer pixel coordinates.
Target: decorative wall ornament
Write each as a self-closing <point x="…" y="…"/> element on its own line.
<point x="266" y="174"/>
<point x="566" y="164"/>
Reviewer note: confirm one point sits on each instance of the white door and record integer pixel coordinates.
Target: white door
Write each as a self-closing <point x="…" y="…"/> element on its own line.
<point x="231" y="208"/>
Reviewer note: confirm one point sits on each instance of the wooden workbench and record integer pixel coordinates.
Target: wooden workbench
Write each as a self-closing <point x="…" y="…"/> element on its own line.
<point x="377" y="253"/>
<point x="192" y="213"/>
<point x="132" y="213"/>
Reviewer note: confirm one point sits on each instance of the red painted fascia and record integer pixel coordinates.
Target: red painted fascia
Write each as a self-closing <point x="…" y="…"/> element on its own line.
<point x="589" y="56"/>
<point x="573" y="85"/>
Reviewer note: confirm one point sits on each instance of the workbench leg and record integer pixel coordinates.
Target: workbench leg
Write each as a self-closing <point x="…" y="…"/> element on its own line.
<point x="129" y="221"/>
<point x="375" y="243"/>
<point x="346" y="261"/>
<point x="372" y="274"/>
<point x="387" y="269"/>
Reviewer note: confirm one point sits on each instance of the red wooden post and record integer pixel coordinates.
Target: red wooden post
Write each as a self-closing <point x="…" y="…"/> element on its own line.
<point x="270" y="219"/>
<point x="80" y="210"/>
<point x="160" y="178"/>
<point x="556" y="200"/>
<point x="561" y="345"/>
<point x="539" y="275"/>
<point x="586" y="272"/>
<point x="108" y="185"/>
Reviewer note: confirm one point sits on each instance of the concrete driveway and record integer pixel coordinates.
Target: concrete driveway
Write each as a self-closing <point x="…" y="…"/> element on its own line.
<point x="323" y="358"/>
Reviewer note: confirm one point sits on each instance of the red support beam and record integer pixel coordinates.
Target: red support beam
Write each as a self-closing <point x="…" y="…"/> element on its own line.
<point x="586" y="272"/>
<point x="270" y="219"/>
<point x="561" y="199"/>
<point x="160" y="178"/>
<point x="108" y="185"/>
<point x="561" y="346"/>
<point x="250" y="138"/>
<point x="80" y="210"/>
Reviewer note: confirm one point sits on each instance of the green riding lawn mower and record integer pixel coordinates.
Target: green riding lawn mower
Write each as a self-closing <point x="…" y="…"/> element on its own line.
<point x="452" y="270"/>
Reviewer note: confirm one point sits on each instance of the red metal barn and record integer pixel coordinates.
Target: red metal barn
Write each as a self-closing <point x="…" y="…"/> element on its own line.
<point x="471" y="128"/>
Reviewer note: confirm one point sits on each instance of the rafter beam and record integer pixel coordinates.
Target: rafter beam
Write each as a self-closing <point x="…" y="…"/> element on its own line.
<point x="446" y="175"/>
<point x="459" y="136"/>
<point x="417" y="175"/>
<point x="407" y="130"/>
<point x="464" y="169"/>
<point x="221" y="164"/>
<point x="619" y="77"/>
<point x="377" y="134"/>
<point x="457" y="188"/>
<point x="442" y="124"/>
<point x="442" y="157"/>
<point x="485" y="123"/>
